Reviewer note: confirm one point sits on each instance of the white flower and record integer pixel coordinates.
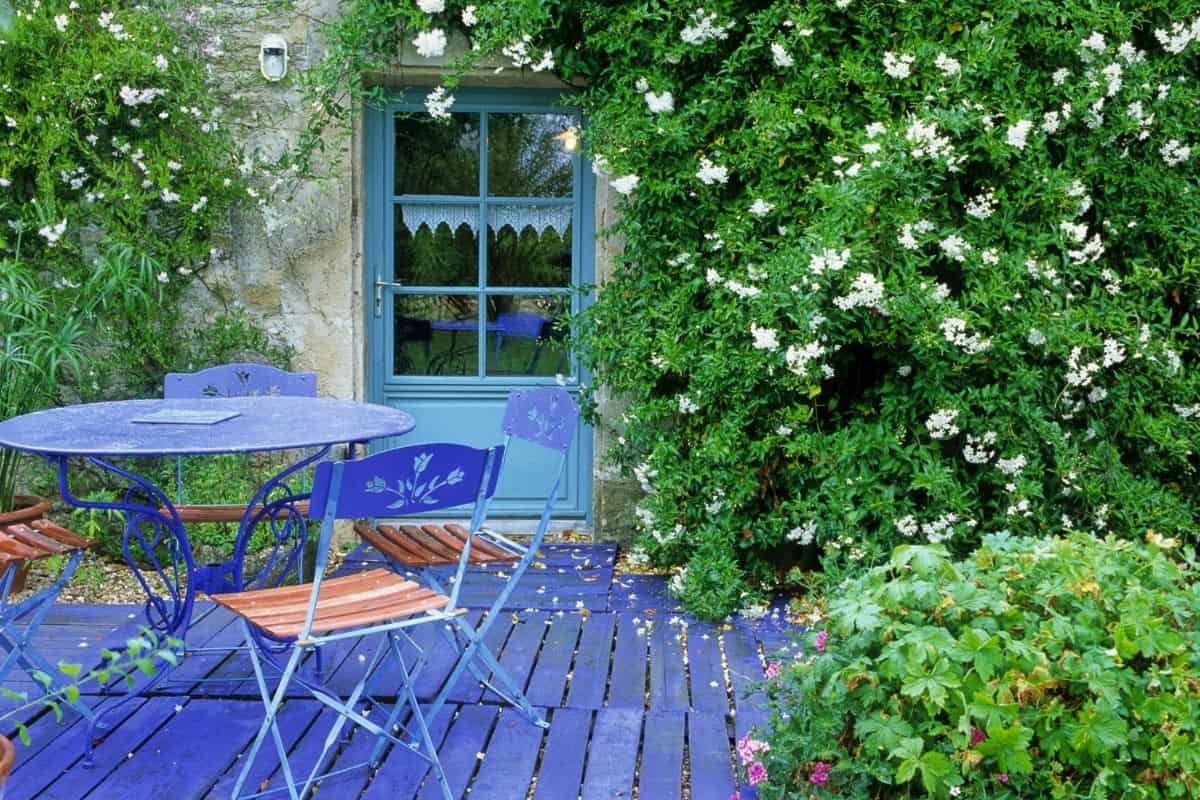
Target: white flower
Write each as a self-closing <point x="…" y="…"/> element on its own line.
<point x="955" y="247"/>
<point x="954" y="330"/>
<point x="710" y="173"/>
<point x="1097" y="394"/>
<point x="897" y="66"/>
<point x="1060" y="76"/>
<point x="430" y="44"/>
<point x="927" y="142"/>
<point x="52" y="233"/>
<point x="876" y="129"/>
<point x="1187" y="412"/>
<point x="136" y="97"/>
<point x="760" y="208"/>
<point x="1114" y="352"/>
<point x="1036" y="337"/>
<point x="1078" y="374"/>
<point x="468" y="16"/>
<point x="907" y="525"/>
<point x="1178" y="38"/>
<point x="432" y="6"/>
<point x="764" y="338"/>
<point x="1012" y="466"/>
<point x="199" y="204"/>
<point x="941" y="423"/>
<point x="780" y="56"/>
<point x="438" y="103"/>
<point x="982" y="206"/>
<point x="865" y="292"/>
<point x="1018" y="134"/>
<point x="660" y="103"/>
<point x="687" y="405"/>
<point x="1095" y="42"/>
<point x="163" y="277"/>
<point x="803" y="535"/>
<point x="1173" y="153"/>
<point x="978" y="449"/>
<point x="61" y="22"/>
<point x="169" y="197"/>
<point x="798" y="358"/>
<point x="702" y="27"/>
<point x="625" y="184"/>
<point x="828" y="260"/>
<point x="946" y="64"/>
<point x="161" y="62"/>
<point x="1050" y="122"/>
<point x="904" y="370"/>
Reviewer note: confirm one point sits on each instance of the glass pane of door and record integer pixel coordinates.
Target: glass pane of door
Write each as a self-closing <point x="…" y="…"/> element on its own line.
<point x="435" y="156"/>
<point x="527" y="335"/>
<point x="435" y="334"/>
<point x="436" y="245"/>
<point x="529" y="245"/>
<point x="530" y="155"/>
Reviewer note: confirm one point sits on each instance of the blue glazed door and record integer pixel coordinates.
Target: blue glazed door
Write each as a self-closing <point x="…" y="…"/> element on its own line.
<point x="479" y="233"/>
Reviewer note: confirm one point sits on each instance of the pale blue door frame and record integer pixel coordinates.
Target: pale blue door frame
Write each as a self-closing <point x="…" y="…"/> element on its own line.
<point x="447" y="339"/>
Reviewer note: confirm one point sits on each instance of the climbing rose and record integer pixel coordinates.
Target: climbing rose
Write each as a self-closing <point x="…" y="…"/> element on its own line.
<point x="756" y="773"/>
<point x="820" y="643"/>
<point x="820" y="773"/>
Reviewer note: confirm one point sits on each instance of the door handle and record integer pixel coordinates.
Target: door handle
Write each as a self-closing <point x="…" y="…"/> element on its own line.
<point x="379" y="284"/>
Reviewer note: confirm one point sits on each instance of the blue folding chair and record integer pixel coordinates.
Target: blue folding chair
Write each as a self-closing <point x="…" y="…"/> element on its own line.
<point x="547" y="417"/>
<point x="21" y="544"/>
<point x="379" y="602"/>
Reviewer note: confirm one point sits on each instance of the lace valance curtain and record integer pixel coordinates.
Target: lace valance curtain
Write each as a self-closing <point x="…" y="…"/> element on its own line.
<point x="540" y="218"/>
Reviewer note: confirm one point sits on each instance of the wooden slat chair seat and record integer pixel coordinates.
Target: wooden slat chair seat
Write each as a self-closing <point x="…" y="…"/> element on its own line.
<point x="379" y="595"/>
<point x="21" y="543"/>
<point x="39" y="539"/>
<point x="231" y="512"/>
<point x="431" y="545"/>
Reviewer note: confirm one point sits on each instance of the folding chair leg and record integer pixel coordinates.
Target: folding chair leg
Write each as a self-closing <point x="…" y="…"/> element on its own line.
<point x="270" y="723"/>
<point x="419" y="719"/>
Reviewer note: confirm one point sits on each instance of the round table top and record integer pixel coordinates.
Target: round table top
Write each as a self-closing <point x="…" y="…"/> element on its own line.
<point x="259" y="423"/>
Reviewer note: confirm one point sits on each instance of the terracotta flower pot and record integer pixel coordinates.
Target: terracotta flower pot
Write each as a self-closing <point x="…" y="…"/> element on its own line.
<point x="7" y="755"/>
<point x="28" y="508"/>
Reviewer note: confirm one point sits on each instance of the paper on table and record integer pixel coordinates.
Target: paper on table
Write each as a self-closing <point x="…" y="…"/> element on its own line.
<point x="182" y="416"/>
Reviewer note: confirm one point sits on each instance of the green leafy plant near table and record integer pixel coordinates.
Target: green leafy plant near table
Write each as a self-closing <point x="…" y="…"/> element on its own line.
<point x="890" y="272"/>
<point x="142" y="655"/>
<point x="1059" y="668"/>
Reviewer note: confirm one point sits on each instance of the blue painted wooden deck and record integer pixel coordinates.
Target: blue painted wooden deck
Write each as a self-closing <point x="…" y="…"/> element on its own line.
<point x="634" y="690"/>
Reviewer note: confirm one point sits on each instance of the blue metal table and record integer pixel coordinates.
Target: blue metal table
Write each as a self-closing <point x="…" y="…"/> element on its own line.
<point x="155" y="542"/>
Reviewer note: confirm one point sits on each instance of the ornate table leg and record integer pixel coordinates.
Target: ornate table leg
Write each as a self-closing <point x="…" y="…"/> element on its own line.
<point x="156" y="548"/>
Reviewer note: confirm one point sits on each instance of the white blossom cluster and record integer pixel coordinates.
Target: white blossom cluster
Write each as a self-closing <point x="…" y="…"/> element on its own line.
<point x="897" y="66"/>
<point x="941" y="423"/>
<point x="765" y="338"/>
<point x="438" y="103"/>
<point x="799" y="358"/>
<point x="954" y="329"/>
<point x="804" y="534"/>
<point x="866" y="292"/>
<point x="710" y="173"/>
<point x="980" y="449"/>
<point x="828" y="260"/>
<point x="703" y="27"/>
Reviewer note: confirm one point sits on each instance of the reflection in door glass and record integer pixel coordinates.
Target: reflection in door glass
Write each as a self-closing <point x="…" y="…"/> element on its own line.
<point x="435" y="335"/>
<point x="528" y="155"/>
<point x="529" y="245"/>
<point x="435" y="156"/>
<point x="436" y="245"/>
<point x="527" y="335"/>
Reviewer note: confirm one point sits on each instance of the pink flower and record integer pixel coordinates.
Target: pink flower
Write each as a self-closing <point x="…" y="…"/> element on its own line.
<point x="820" y="644"/>
<point x="773" y="670"/>
<point x="749" y="749"/>
<point x="735" y="796"/>
<point x="977" y="736"/>
<point x="756" y="773"/>
<point x="1002" y="777"/>
<point x="820" y="773"/>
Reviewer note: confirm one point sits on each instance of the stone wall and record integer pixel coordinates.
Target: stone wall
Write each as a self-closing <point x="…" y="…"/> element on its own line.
<point x="296" y="262"/>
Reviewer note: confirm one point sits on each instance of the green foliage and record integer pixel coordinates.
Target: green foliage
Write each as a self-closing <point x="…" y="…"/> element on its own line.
<point x="890" y="271"/>
<point x="1059" y="668"/>
<point x="143" y="654"/>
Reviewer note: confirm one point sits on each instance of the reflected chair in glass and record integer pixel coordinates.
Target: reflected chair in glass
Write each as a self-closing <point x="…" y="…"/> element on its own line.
<point x="547" y="417"/>
<point x="378" y="602"/>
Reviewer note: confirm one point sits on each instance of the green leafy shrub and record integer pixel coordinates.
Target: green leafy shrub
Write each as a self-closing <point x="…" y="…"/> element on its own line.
<point x="891" y="272"/>
<point x="1060" y="668"/>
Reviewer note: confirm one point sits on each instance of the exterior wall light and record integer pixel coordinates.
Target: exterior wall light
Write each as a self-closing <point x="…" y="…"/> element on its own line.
<point x="569" y="139"/>
<point x="273" y="57"/>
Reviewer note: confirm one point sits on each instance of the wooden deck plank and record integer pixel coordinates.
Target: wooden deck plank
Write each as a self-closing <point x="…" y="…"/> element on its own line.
<point x="112" y="753"/>
<point x="745" y="671"/>
<point x="511" y="756"/>
<point x="295" y="719"/>
<point x="459" y="753"/>
<point x="661" y="775"/>
<point x="704" y="665"/>
<point x="627" y="686"/>
<point x="468" y="689"/>
<point x="549" y="678"/>
<point x="205" y="736"/>
<point x="589" y="676"/>
<point x="521" y="649"/>
<point x="668" y="673"/>
<point x="612" y="754"/>
<point x="709" y="760"/>
<point x="566" y="748"/>
<point x="400" y="774"/>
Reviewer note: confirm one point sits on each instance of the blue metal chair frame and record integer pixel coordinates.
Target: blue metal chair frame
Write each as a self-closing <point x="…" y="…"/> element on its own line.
<point x="402" y="480"/>
<point x="19" y="644"/>
<point x="547" y="417"/>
